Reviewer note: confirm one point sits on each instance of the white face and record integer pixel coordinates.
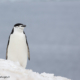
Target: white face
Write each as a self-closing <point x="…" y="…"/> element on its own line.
<point x="19" y="28"/>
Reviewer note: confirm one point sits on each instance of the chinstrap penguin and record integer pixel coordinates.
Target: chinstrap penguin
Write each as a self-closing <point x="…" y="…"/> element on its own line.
<point x="17" y="47"/>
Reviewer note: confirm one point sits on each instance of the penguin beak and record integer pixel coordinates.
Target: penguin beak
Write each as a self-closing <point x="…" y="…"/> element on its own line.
<point x="23" y="25"/>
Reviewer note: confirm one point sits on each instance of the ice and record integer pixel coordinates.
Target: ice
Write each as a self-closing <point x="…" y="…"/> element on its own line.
<point x="13" y="71"/>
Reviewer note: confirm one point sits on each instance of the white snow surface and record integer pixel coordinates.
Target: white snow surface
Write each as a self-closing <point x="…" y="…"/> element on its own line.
<point x="13" y="71"/>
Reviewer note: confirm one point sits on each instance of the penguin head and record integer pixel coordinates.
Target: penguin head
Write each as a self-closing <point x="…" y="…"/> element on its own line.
<point x="19" y="26"/>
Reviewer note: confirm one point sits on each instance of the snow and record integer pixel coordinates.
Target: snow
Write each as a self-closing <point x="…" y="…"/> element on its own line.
<point x="13" y="71"/>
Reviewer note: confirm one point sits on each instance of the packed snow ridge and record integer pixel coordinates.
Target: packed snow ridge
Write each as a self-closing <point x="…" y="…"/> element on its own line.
<point x="13" y="71"/>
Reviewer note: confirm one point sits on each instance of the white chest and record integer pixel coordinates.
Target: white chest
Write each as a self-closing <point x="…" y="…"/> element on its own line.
<point x="17" y="42"/>
<point x="17" y="49"/>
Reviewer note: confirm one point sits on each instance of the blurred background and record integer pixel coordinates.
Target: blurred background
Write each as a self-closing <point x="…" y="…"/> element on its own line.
<point x="53" y="33"/>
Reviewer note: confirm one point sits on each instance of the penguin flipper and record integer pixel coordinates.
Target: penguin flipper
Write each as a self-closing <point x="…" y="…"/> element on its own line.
<point x="8" y="43"/>
<point x="7" y="47"/>
<point x="28" y="50"/>
<point x="27" y="47"/>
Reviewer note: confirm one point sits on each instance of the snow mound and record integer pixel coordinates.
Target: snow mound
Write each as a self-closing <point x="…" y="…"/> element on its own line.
<point x="13" y="71"/>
